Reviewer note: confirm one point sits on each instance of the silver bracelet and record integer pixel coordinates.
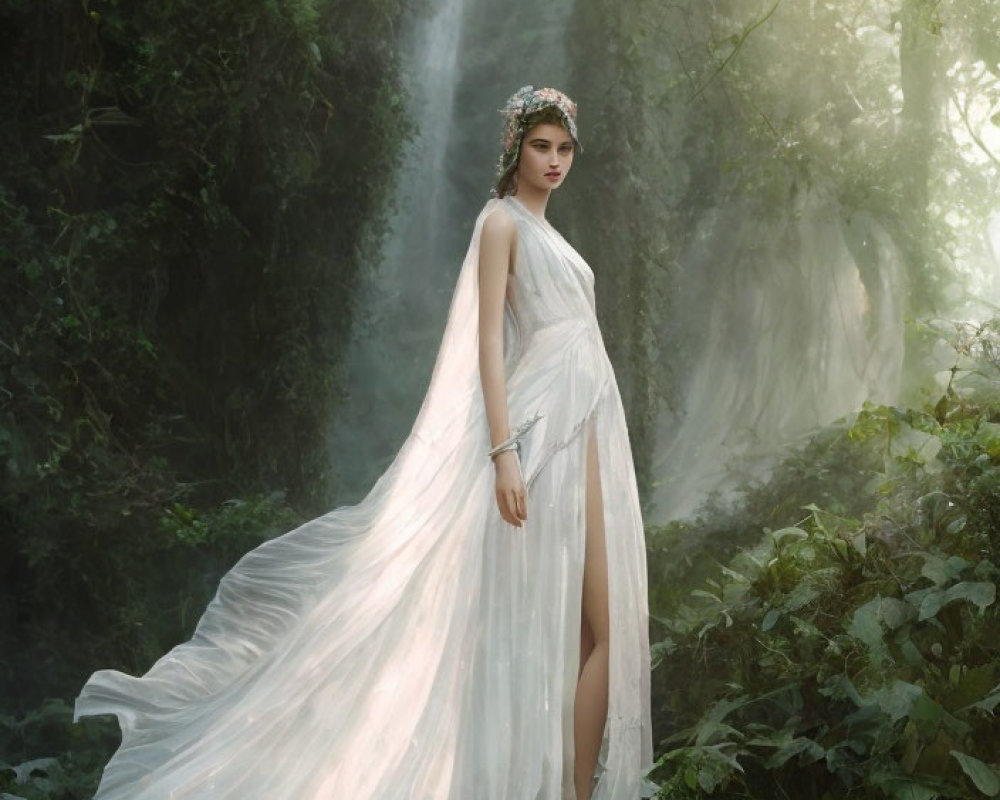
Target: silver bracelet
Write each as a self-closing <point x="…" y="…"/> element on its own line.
<point x="503" y="447"/>
<point x="512" y="442"/>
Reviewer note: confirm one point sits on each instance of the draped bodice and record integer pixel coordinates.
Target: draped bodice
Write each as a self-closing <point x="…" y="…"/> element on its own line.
<point x="554" y="357"/>
<point x="551" y="283"/>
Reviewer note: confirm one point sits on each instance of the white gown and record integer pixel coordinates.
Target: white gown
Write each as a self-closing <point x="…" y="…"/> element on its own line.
<point x="415" y="646"/>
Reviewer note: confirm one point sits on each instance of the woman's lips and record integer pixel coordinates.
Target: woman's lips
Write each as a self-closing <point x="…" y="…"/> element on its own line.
<point x="552" y="174"/>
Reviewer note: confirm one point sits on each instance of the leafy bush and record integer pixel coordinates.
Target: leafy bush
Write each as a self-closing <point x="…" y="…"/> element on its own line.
<point x="847" y="649"/>
<point x="27" y="743"/>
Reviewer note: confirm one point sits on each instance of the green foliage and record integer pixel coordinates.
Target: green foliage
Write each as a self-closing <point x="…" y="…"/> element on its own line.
<point x="123" y="607"/>
<point x="845" y="648"/>
<point x="150" y="597"/>
<point x="31" y="772"/>
<point x="188" y="196"/>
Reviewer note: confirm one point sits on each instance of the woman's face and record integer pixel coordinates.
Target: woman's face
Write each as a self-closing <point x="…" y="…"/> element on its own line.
<point x="546" y="156"/>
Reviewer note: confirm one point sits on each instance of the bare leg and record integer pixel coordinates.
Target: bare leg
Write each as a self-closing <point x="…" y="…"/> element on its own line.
<point x="586" y="645"/>
<point x="591" y="710"/>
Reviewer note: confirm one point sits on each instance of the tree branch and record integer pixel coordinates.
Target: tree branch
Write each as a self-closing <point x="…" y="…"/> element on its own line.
<point x="964" y="114"/>
<point x="740" y="41"/>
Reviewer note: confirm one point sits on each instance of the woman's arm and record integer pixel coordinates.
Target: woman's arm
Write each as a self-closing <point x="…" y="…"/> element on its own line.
<point x="497" y="247"/>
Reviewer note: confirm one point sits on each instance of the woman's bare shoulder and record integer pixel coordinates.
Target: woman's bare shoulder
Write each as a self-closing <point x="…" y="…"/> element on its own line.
<point x="499" y="224"/>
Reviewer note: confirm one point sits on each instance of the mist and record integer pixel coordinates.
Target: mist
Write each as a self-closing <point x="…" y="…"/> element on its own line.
<point x="768" y="193"/>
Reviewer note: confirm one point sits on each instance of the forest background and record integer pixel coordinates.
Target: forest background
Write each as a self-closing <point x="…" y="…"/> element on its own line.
<point x="190" y="197"/>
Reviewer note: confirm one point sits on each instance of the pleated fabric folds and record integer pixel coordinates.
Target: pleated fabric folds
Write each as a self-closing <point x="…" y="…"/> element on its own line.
<point x="414" y="646"/>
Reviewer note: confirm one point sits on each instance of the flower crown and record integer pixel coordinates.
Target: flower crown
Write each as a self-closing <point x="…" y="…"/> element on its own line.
<point x="519" y="106"/>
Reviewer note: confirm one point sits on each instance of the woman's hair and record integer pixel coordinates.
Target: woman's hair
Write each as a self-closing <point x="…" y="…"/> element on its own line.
<point x="507" y="183"/>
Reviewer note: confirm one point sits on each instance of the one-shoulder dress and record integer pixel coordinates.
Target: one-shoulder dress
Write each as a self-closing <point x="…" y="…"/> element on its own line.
<point x="415" y="646"/>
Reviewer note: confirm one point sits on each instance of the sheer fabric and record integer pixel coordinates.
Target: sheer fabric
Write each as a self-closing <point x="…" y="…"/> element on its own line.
<point x="415" y="646"/>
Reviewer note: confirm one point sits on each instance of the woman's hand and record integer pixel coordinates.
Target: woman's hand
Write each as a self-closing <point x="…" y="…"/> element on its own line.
<point x="510" y="489"/>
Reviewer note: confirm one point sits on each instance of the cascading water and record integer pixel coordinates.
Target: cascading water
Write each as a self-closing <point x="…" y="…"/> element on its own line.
<point x="802" y="321"/>
<point x="462" y="60"/>
<point x="386" y="347"/>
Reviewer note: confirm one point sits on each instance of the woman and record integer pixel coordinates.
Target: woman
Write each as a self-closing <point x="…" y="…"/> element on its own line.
<point x="436" y="642"/>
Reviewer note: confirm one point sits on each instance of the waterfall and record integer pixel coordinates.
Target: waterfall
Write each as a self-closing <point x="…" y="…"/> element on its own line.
<point x="802" y="322"/>
<point x="461" y="61"/>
